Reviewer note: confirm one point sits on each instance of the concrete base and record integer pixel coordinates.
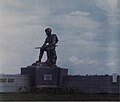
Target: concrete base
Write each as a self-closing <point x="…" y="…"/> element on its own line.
<point x="44" y="76"/>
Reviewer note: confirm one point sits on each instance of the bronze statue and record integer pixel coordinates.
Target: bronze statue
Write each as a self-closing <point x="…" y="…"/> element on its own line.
<point x="49" y="46"/>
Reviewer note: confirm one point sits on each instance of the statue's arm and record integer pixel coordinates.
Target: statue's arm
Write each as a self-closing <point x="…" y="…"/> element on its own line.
<point x="45" y="42"/>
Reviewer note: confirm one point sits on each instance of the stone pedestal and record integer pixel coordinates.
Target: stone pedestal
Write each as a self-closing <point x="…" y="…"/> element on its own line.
<point x="44" y="76"/>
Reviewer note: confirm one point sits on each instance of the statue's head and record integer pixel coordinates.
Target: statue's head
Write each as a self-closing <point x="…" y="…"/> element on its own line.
<point x="48" y="31"/>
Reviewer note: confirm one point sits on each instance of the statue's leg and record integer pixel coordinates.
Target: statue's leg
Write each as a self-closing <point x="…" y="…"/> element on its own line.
<point x="48" y="55"/>
<point x="42" y="49"/>
<point x="51" y="57"/>
<point x="54" y="57"/>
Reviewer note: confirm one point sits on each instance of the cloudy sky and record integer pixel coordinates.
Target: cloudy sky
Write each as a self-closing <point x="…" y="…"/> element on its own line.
<point x="89" y="37"/>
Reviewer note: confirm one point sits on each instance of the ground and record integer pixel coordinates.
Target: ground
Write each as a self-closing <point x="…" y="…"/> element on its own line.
<point x="58" y="97"/>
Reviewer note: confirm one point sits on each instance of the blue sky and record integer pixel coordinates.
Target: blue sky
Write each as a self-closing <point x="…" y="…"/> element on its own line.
<point x="89" y="37"/>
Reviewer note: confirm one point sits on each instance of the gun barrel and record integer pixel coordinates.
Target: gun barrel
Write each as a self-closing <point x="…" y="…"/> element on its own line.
<point x="37" y="47"/>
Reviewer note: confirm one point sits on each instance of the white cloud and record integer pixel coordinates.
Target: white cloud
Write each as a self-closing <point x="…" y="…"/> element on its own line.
<point x="16" y="3"/>
<point x="79" y="13"/>
<point x="94" y="63"/>
<point x="10" y="18"/>
<point x="76" y="20"/>
<point x="111" y="63"/>
<point x="107" y="5"/>
<point x="75" y="60"/>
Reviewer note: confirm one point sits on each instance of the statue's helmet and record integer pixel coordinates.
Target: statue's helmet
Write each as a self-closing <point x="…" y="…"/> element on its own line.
<point x="48" y="30"/>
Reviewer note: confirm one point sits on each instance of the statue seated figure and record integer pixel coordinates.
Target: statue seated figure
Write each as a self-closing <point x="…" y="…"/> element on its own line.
<point x="49" y="46"/>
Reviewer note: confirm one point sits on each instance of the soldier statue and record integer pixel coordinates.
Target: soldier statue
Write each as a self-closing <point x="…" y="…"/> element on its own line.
<point x="49" y="46"/>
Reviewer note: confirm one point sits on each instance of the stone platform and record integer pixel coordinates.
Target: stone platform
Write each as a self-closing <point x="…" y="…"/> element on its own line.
<point x="45" y="76"/>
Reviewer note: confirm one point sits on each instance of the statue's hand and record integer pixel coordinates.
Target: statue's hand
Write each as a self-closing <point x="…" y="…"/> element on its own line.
<point x="44" y="46"/>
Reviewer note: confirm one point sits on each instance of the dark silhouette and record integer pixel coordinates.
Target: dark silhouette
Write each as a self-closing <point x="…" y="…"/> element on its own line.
<point x="49" y="46"/>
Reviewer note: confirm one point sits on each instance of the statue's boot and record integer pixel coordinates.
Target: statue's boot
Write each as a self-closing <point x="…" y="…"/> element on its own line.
<point x="39" y="60"/>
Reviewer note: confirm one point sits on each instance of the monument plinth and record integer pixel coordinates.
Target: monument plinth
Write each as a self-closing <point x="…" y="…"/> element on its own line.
<point x="45" y="76"/>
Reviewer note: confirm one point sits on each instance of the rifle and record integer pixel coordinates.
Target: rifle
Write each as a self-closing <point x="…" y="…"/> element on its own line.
<point x="40" y="47"/>
<point x="37" y="47"/>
